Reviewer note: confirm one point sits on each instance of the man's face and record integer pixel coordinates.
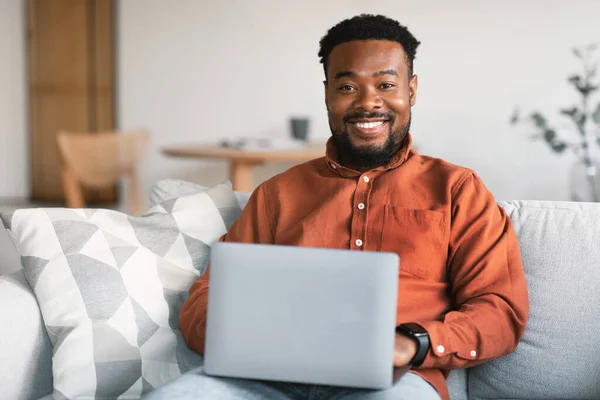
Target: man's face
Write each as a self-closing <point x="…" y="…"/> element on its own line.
<point x="369" y="95"/>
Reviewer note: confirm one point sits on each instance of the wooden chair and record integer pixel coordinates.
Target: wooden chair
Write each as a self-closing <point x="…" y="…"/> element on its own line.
<point x="100" y="160"/>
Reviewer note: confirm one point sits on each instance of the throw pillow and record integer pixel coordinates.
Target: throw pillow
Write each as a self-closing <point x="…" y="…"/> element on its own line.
<point x="110" y="287"/>
<point x="168" y="189"/>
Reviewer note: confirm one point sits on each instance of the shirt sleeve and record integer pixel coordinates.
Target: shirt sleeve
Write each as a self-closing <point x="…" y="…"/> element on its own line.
<point x="487" y="284"/>
<point x="253" y="226"/>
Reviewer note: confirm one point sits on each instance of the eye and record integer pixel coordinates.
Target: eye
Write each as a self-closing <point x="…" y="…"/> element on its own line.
<point x="346" y="88"/>
<point x="387" y="85"/>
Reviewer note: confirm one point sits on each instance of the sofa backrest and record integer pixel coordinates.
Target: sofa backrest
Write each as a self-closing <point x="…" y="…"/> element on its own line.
<point x="25" y="349"/>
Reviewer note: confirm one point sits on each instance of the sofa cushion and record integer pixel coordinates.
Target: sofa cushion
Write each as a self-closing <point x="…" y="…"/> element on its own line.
<point x="457" y="384"/>
<point x="9" y="256"/>
<point x="110" y="287"/>
<point x="168" y="189"/>
<point x="559" y="355"/>
<point x="25" y="350"/>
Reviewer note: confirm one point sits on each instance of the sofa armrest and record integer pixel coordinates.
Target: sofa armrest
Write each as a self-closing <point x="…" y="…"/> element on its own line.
<point x="25" y="350"/>
<point x="10" y="259"/>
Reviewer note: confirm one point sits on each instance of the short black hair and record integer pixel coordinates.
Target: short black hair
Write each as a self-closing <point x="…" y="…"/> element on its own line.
<point x="369" y="27"/>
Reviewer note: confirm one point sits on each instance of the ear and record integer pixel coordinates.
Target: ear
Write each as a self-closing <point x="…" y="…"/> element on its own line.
<point x="413" y="83"/>
<point x="326" y="95"/>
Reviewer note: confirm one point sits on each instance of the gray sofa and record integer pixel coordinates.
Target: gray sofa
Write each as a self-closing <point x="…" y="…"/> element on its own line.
<point x="558" y="358"/>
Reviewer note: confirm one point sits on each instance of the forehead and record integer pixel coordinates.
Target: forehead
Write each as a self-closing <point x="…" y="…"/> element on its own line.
<point x="367" y="56"/>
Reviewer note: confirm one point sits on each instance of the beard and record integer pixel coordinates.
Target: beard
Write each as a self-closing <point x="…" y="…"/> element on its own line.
<point x="369" y="156"/>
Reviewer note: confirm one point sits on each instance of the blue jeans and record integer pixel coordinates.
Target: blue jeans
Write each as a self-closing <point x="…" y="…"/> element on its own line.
<point x="197" y="385"/>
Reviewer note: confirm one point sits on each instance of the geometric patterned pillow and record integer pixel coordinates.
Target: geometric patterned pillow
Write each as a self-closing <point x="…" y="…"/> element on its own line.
<point x="167" y="189"/>
<point x="110" y="287"/>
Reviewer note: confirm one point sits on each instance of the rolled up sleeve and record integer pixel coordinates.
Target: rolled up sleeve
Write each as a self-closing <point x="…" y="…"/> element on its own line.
<point x="253" y="226"/>
<point x="488" y="287"/>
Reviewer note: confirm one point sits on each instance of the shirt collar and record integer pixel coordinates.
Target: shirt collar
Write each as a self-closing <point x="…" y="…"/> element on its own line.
<point x="398" y="159"/>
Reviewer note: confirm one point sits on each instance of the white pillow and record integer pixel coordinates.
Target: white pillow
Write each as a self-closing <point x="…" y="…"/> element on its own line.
<point x="110" y="287"/>
<point x="168" y="189"/>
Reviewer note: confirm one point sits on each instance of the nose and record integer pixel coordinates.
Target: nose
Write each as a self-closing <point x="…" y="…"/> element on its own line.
<point x="368" y="100"/>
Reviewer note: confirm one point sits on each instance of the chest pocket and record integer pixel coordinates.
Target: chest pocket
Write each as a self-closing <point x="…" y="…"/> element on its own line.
<point x="419" y="237"/>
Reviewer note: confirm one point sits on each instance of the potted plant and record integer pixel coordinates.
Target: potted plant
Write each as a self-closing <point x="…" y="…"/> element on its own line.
<point x="584" y="120"/>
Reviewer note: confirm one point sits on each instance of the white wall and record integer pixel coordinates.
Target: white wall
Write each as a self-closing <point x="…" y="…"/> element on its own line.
<point x="194" y="70"/>
<point x="14" y="161"/>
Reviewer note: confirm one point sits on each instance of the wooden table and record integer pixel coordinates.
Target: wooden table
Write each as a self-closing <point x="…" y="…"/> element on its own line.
<point x="242" y="161"/>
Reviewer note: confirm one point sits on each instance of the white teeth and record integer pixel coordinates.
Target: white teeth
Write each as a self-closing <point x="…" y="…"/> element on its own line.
<point x="368" y="124"/>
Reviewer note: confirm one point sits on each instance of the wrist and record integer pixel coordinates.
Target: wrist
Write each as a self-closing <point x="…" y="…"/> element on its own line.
<point x="420" y="336"/>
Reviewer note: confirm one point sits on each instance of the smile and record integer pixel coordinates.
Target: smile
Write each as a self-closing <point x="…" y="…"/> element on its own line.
<point x="368" y="124"/>
<point x="369" y="129"/>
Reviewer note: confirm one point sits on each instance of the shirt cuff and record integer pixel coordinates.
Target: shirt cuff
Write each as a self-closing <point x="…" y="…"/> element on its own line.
<point x="444" y="347"/>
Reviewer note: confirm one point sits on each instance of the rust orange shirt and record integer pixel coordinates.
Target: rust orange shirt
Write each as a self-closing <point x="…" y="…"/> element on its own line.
<point x="461" y="275"/>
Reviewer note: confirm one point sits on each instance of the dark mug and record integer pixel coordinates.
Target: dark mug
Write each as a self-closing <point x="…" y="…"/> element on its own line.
<point x="299" y="128"/>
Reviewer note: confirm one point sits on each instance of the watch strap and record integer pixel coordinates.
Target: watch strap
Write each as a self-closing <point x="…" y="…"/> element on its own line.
<point x="421" y="338"/>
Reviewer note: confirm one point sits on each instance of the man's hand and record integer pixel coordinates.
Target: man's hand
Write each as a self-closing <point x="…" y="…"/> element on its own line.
<point x="404" y="350"/>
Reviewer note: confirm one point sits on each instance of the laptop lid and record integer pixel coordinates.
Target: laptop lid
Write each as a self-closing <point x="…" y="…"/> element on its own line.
<point x="297" y="314"/>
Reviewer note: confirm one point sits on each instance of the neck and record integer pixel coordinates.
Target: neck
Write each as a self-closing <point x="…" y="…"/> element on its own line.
<point x="346" y="161"/>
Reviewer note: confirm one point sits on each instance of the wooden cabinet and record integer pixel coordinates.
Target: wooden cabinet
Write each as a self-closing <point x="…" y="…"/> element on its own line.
<point x="71" y="84"/>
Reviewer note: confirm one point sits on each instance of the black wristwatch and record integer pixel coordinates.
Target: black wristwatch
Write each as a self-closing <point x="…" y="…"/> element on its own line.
<point x="420" y="336"/>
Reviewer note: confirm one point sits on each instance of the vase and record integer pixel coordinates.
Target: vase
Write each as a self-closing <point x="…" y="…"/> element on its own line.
<point x="585" y="182"/>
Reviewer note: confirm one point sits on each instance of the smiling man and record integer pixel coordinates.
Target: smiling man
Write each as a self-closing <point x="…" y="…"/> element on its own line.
<point x="462" y="290"/>
<point x="368" y="98"/>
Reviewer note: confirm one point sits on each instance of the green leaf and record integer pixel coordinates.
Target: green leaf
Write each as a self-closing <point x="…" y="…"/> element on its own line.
<point x="580" y="121"/>
<point x="538" y="119"/>
<point x="569" y="111"/>
<point x="596" y="114"/>
<point x="549" y="135"/>
<point x="574" y="79"/>
<point x="586" y="89"/>
<point x="514" y="118"/>
<point x="559" y="147"/>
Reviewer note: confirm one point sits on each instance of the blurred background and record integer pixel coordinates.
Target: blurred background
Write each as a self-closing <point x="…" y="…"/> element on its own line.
<point x="199" y="72"/>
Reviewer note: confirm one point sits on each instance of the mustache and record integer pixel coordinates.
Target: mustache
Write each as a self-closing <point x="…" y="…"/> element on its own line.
<point x="368" y="115"/>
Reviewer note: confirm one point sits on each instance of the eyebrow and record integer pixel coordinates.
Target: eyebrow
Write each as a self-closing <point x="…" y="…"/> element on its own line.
<point x="351" y="74"/>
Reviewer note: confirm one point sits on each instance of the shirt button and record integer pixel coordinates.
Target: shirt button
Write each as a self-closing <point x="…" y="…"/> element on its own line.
<point x="333" y="165"/>
<point x="366" y="179"/>
<point x="358" y="242"/>
<point x="441" y="349"/>
<point x="361" y="206"/>
<point x="473" y="353"/>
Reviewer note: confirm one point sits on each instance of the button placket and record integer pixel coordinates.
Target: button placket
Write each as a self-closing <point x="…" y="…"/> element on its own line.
<point x="359" y="219"/>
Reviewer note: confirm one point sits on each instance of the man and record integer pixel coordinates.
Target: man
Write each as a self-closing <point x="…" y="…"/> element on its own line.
<point x="461" y="278"/>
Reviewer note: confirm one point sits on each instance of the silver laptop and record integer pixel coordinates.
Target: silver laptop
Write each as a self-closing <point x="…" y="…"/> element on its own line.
<point x="306" y="315"/>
